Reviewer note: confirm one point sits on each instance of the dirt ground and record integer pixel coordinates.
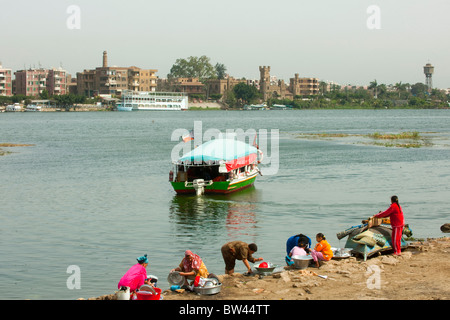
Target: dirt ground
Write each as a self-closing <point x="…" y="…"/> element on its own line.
<point x="420" y="273"/>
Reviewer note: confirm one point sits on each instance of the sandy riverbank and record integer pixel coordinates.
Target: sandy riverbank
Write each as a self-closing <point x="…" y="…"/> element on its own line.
<point x="421" y="273"/>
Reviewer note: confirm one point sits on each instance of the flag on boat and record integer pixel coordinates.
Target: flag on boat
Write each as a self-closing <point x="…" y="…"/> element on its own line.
<point x="255" y="142"/>
<point x="189" y="136"/>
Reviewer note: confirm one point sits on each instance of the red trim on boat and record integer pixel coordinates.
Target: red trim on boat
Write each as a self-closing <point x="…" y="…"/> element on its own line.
<point x="240" y="162"/>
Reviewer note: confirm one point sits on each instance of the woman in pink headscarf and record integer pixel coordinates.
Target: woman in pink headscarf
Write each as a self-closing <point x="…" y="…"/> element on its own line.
<point x="191" y="266"/>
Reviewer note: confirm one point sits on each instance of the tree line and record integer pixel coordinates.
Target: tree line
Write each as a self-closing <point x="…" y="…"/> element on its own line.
<point x="399" y="95"/>
<point x="376" y="95"/>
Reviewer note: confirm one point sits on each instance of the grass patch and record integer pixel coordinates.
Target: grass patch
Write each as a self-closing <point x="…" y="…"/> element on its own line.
<point x="331" y="135"/>
<point x="398" y="136"/>
<point x="323" y="135"/>
<point x="408" y="139"/>
<point x="15" y="145"/>
<point x="9" y="145"/>
<point x="3" y="152"/>
<point x="398" y="145"/>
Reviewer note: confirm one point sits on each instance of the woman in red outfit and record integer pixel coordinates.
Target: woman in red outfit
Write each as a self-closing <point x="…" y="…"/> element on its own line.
<point x="395" y="213"/>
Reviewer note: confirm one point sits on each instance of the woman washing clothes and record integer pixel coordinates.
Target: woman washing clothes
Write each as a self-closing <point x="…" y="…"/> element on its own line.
<point x="136" y="276"/>
<point x="191" y="266"/>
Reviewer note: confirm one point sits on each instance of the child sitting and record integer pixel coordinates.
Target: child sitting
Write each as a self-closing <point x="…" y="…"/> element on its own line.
<point x="322" y="251"/>
<point x="299" y="250"/>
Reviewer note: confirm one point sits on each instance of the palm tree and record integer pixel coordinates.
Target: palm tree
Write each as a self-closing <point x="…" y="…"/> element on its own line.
<point x="323" y="87"/>
<point x="220" y="70"/>
<point x="374" y="85"/>
<point x="400" y="87"/>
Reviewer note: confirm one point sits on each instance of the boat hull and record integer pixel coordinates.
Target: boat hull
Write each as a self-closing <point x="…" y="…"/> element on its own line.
<point x="124" y="108"/>
<point x="217" y="187"/>
<point x="366" y="250"/>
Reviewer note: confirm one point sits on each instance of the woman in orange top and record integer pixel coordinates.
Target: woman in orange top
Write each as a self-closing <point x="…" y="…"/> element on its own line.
<point x="322" y="251"/>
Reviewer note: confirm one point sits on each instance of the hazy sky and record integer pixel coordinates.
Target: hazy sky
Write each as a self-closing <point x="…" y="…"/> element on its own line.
<point x="327" y="39"/>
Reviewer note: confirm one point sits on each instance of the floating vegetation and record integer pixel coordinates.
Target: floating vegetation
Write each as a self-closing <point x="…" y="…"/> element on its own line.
<point x="9" y="145"/>
<point x="408" y="139"/>
<point x="398" y="145"/>
<point x="15" y="145"/>
<point x="401" y="140"/>
<point x="396" y="136"/>
<point x="323" y="135"/>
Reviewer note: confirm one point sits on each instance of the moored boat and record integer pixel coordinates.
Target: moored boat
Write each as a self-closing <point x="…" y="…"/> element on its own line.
<point x="155" y="101"/>
<point x="13" y="108"/>
<point x="33" y="108"/>
<point x="217" y="166"/>
<point x="366" y="241"/>
<point x="122" y="107"/>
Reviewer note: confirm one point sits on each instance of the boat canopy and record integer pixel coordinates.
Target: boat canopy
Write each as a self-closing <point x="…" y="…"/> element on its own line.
<point x="231" y="152"/>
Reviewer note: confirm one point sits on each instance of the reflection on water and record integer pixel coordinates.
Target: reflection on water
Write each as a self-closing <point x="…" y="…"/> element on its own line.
<point x="241" y="220"/>
<point x="212" y="214"/>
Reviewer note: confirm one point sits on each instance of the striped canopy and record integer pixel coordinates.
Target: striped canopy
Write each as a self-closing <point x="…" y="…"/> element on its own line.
<point x="233" y="152"/>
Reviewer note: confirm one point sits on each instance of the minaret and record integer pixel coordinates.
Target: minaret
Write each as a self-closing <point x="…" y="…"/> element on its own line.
<point x="264" y="81"/>
<point x="105" y="59"/>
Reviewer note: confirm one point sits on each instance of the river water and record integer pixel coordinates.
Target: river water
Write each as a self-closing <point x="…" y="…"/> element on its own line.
<point x="92" y="194"/>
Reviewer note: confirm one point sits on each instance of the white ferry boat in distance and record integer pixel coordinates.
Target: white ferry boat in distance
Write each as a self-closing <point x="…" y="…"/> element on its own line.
<point x="33" y="108"/>
<point x="154" y="101"/>
<point x="13" y="108"/>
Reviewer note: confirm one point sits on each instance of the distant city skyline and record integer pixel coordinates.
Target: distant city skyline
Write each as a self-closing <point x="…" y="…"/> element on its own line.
<point x="332" y="40"/>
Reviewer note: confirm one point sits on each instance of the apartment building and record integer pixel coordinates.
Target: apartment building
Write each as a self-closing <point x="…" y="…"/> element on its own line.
<point x="112" y="80"/>
<point x="297" y="86"/>
<point x="33" y="82"/>
<point x="142" y="79"/>
<point x="5" y="81"/>
<point x="304" y="86"/>
<point x="30" y="82"/>
<point x="86" y="83"/>
<point x="57" y="82"/>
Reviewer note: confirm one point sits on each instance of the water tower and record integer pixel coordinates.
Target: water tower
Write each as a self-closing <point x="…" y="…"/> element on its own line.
<point x="428" y="70"/>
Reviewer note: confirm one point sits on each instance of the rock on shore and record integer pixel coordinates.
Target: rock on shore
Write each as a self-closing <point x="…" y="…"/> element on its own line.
<point x="445" y="227"/>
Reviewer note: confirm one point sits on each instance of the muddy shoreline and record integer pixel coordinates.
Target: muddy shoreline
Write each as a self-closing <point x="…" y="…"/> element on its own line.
<point x="420" y="273"/>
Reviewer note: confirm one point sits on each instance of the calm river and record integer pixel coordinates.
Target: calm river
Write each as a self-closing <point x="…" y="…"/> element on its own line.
<point x="93" y="191"/>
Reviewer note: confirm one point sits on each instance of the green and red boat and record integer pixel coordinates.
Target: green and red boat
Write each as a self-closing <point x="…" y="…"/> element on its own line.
<point x="217" y="166"/>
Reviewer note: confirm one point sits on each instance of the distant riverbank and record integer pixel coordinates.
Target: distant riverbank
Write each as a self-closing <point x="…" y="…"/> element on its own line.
<point x="216" y="106"/>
